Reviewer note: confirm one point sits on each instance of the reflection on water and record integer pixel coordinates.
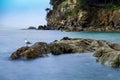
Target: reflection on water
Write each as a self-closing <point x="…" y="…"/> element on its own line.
<point x="63" y="67"/>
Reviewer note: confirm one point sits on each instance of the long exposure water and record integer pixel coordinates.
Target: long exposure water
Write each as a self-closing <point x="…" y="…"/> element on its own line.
<point x="63" y="67"/>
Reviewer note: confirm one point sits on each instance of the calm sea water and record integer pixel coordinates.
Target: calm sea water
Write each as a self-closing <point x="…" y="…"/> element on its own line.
<point x="63" y="67"/>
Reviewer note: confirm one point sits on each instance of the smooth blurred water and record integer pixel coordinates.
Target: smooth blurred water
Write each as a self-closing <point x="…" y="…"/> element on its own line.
<point x="63" y="67"/>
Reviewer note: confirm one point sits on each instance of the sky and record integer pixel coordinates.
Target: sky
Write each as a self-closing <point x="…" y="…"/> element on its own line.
<point x="23" y="13"/>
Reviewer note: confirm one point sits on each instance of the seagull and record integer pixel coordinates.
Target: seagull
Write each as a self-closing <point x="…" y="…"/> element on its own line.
<point x="27" y="42"/>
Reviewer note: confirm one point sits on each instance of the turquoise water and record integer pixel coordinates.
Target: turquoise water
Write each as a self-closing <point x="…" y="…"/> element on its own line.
<point x="63" y="67"/>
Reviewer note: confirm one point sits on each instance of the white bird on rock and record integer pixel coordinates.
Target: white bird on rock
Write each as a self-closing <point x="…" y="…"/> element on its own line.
<point x="27" y="42"/>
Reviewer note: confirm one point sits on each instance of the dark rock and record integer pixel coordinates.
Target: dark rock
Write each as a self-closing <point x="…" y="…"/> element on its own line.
<point x="55" y="40"/>
<point x="31" y="27"/>
<point x="43" y="27"/>
<point x="66" y="38"/>
<point x="39" y="49"/>
<point x="40" y="27"/>
<point x="17" y="53"/>
<point x="60" y="48"/>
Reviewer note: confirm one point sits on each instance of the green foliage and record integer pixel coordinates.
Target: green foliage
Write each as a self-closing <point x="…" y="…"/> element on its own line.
<point x="68" y="13"/>
<point x="82" y="4"/>
<point x="110" y="6"/>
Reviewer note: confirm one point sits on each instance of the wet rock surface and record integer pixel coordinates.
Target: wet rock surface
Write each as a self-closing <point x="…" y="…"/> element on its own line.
<point x="107" y="53"/>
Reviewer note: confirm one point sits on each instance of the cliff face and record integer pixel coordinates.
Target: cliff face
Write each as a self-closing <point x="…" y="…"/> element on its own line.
<point x="77" y="15"/>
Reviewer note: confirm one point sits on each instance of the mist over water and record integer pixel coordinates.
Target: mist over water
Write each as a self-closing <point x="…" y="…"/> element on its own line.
<point x="63" y="67"/>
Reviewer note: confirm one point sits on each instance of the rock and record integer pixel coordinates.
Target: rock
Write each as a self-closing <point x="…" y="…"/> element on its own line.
<point x="111" y="59"/>
<point x="69" y="29"/>
<point x="107" y="53"/>
<point x="100" y="51"/>
<point x="66" y="38"/>
<point x="70" y="45"/>
<point x="65" y="45"/>
<point x="17" y="53"/>
<point x="31" y="27"/>
<point x="40" y="27"/>
<point x="30" y="54"/>
<point x="108" y="56"/>
<point x="39" y="49"/>
<point x="60" y="48"/>
<point x="43" y="27"/>
<point x="115" y="46"/>
<point x="96" y="44"/>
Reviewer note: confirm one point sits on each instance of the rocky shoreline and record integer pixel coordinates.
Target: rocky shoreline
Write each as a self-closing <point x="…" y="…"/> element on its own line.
<point x="107" y="53"/>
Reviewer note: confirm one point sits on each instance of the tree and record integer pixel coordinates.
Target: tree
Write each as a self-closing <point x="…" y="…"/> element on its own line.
<point x="47" y="10"/>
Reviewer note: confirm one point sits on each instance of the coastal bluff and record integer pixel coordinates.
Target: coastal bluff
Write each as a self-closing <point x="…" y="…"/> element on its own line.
<point x="84" y="15"/>
<point x="107" y="53"/>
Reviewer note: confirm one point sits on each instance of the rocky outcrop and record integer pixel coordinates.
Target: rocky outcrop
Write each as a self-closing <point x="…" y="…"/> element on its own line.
<point x="108" y="56"/>
<point x="17" y="53"/>
<point x="43" y="27"/>
<point x="39" y="49"/>
<point x="105" y="52"/>
<point x="64" y="46"/>
<point x="69" y="45"/>
<point x="83" y="15"/>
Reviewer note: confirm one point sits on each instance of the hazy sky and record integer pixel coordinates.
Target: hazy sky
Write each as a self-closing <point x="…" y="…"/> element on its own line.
<point x="22" y="13"/>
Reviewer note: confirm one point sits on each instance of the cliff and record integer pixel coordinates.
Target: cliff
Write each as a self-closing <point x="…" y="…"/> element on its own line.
<point x="84" y="15"/>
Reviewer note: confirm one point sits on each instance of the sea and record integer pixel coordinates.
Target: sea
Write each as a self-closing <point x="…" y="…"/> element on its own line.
<point x="63" y="67"/>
